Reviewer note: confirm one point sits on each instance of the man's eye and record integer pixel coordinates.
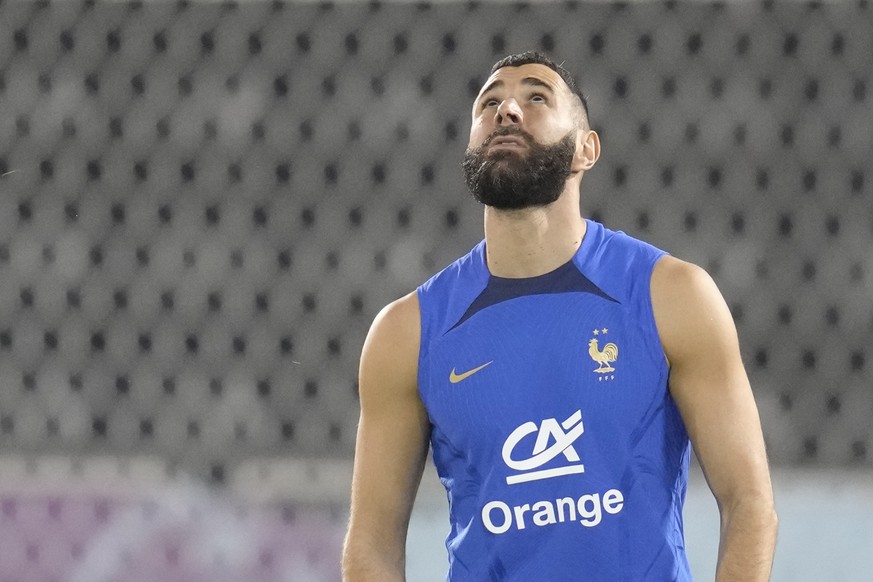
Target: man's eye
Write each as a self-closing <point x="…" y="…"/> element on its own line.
<point x="538" y="99"/>
<point x="490" y="103"/>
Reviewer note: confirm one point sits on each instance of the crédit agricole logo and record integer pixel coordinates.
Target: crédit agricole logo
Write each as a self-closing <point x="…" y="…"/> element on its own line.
<point x="526" y="456"/>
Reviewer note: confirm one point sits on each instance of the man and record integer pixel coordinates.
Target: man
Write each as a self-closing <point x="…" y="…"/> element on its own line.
<point x="558" y="370"/>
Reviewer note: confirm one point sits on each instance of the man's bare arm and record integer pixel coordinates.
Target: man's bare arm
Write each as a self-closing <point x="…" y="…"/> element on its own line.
<point x="391" y="447"/>
<point x="711" y="388"/>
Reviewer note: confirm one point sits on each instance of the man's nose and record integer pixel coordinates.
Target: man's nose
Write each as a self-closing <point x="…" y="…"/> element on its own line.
<point x="509" y="113"/>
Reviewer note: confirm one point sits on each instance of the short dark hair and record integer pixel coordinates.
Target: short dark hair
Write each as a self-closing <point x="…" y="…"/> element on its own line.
<point x="538" y="58"/>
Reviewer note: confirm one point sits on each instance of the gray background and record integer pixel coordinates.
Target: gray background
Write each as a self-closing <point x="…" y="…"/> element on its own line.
<point x="203" y="205"/>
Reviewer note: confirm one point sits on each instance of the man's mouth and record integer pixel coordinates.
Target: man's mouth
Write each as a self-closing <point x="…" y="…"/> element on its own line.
<point x="507" y="142"/>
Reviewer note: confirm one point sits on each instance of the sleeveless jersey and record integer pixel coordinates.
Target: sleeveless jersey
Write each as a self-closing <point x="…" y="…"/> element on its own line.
<point x="562" y="452"/>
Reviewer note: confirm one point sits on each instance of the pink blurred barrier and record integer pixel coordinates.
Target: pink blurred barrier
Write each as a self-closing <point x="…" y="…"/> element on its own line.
<point x="177" y="535"/>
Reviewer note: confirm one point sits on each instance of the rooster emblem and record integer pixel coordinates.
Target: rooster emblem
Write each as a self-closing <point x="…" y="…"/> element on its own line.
<point x="603" y="357"/>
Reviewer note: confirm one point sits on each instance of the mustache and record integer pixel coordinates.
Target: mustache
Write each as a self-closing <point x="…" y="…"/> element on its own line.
<point x="504" y="131"/>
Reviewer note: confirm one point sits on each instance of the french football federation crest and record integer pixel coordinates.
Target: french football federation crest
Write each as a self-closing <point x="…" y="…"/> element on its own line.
<point x="605" y="356"/>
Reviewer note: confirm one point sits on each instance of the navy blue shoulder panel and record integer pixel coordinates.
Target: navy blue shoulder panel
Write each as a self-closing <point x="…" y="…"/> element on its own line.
<point x="564" y="279"/>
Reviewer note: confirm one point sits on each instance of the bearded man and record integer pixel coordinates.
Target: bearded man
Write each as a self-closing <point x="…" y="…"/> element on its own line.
<point x="561" y="373"/>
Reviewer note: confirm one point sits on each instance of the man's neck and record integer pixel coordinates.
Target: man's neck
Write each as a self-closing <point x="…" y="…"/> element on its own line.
<point x="533" y="241"/>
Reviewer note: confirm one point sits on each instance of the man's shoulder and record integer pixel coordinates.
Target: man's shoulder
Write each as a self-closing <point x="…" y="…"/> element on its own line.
<point x="399" y="315"/>
<point x="617" y="260"/>
<point x="618" y="241"/>
<point x="459" y="270"/>
<point x="686" y="302"/>
<point x="681" y="281"/>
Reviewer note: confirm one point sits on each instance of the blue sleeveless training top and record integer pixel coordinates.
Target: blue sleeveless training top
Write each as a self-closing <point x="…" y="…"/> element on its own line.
<point x="563" y="455"/>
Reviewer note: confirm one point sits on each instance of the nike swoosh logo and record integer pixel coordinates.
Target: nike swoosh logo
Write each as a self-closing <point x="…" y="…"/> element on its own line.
<point x="454" y="377"/>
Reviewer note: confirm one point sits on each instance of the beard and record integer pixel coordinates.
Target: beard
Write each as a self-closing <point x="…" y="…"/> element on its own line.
<point x="510" y="180"/>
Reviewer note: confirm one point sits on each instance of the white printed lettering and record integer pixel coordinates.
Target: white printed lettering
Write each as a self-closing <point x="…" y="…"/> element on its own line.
<point x="589" y="517"/>
<point x="570" y="504"/>
<point x="545" y="513"/>
<point x="519" y="515"/>
<point x="587" y="509"/>
<point x="507" y="517"/>
<point x="613" y="501"/>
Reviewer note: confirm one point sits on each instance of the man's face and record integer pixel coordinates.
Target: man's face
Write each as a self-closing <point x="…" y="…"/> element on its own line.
<point x="522" y="138"/>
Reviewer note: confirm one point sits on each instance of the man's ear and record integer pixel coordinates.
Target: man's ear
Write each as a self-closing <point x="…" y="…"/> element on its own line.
<point x="587" y="150"/>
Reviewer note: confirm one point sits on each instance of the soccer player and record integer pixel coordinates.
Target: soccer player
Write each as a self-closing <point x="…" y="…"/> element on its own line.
<point x="561" y="373"/>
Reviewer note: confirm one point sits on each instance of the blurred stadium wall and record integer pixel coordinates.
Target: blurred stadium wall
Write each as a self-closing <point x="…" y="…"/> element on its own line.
<point x="204" y="204"/>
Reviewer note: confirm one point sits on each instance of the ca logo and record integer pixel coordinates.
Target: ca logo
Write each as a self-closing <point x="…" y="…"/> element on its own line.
<point x="542" y="453"/>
